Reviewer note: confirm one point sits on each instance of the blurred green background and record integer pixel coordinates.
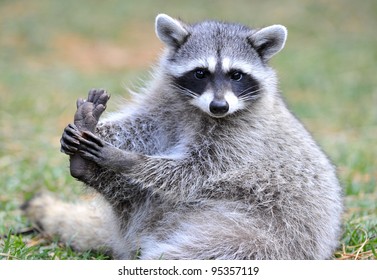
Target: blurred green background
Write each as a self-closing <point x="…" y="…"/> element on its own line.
<point x="52" y="52"/>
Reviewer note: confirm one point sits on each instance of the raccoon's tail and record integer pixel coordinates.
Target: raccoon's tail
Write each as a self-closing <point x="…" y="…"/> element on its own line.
<point x="84" y="225"/>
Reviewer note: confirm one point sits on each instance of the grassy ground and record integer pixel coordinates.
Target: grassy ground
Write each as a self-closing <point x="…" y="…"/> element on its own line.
<point x="52" y="52"/>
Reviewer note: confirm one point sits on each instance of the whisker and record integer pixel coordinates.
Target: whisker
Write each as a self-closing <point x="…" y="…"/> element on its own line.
<point x="247" y="94"/>
<point x="250" y="98"/>
<point x="185" y="90"/>
<point x="250" y="95"/>
<point x="247" y="91"/>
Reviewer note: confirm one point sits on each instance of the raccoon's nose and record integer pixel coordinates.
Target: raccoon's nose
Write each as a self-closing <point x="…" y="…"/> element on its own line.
<point x="219" y="107"/>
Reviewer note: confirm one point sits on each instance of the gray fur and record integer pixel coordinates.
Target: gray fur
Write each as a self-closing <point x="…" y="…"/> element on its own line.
<point x="182" y="184"/>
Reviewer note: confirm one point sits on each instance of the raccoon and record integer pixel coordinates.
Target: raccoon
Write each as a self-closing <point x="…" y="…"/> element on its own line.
<point x="206" y="162"/>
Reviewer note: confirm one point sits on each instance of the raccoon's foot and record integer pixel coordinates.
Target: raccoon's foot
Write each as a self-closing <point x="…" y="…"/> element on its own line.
<point x="89" y="111"/>
<point x="85" y="119"/>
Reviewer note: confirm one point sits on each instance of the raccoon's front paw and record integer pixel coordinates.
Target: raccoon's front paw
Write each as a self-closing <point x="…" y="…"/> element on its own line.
<point x="69" y="141"/>
<point x="93" y="148"/>
<point x="103" y="154"/>
<point x="89" y="110"/>
<point x="81" y="169"/>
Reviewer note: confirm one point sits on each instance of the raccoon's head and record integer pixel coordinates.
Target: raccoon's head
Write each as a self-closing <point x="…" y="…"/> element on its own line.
<point x="221" y="67"/>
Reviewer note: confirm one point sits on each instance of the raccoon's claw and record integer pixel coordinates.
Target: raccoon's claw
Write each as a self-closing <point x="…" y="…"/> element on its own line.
<point x="70" y="140"/>
<point x="91" y="147"/>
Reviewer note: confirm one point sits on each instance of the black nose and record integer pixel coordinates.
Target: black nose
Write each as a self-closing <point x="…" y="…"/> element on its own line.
<point x="219" y="107"/>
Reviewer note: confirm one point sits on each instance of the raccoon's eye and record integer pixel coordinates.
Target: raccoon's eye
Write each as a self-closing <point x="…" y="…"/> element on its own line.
<point x="236" y="76"/>
<point x="200" y="74"/>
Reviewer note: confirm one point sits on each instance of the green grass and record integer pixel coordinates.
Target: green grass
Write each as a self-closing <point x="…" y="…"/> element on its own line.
<point x="52" y="52"/>
<point x="18" y="247"/>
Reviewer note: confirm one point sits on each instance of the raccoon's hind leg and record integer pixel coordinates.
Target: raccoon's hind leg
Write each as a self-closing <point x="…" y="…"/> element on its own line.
<point x="84" y="225"/>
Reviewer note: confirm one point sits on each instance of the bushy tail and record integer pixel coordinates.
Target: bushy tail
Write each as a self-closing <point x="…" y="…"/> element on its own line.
<point x="84" y="225"/>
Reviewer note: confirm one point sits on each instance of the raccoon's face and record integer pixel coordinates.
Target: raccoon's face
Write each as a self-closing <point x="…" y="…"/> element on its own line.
<point x="220" y="67"/>
<point x="216" y="88"/>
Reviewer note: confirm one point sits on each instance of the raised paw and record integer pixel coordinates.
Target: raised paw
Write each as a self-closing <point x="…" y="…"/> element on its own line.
<point x="89" y="111"/>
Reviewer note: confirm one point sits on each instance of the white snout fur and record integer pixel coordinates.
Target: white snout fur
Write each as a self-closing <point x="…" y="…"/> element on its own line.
<point x="204" y="100"/>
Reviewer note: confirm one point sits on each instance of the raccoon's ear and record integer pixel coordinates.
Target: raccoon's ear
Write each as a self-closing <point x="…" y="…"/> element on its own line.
<point x="170" y="31"/>
<point x="269" y="40"/>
